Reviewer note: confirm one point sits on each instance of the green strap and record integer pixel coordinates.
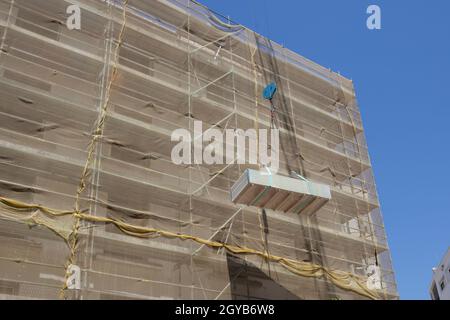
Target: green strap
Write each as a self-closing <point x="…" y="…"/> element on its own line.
<point x="260" y="195"/>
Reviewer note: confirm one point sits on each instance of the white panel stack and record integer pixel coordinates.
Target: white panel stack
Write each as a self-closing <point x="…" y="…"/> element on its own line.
<point x="259" y="189"/>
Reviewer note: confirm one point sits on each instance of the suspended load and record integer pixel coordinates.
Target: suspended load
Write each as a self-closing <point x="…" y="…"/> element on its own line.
<point x="281" y="193"/>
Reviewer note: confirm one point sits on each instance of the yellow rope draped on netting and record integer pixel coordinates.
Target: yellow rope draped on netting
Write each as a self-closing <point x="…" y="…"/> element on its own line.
<point x="96" y="135"/>
<point x="41" y="215"/>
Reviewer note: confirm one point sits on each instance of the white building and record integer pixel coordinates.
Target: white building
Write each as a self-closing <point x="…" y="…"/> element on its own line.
<point x="440" y="285"/>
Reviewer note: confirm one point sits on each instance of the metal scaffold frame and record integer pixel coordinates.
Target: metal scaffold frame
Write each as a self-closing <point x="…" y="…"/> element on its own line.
<point x="100" y="103"/>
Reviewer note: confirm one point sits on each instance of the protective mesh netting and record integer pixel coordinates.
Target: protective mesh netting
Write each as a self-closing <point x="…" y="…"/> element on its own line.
<point x="87" y="179"/>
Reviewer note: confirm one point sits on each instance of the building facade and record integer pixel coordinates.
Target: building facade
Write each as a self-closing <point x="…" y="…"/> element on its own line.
<point x="93" y="207"/>
<point x="440" y="284"/>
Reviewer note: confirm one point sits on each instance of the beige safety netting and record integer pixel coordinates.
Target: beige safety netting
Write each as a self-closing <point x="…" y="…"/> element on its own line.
<point x="86" y="118"/>
<point x="61" y="223"/>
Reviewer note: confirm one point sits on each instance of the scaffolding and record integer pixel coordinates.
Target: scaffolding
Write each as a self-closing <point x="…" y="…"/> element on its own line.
<point x="86" y="177"/>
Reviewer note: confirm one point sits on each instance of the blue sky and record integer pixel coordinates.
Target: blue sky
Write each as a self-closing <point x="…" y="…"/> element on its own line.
<point x="402" y="79"/>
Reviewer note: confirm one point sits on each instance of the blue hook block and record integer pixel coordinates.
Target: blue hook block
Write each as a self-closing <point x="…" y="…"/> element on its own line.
<point x="269" y="91"/>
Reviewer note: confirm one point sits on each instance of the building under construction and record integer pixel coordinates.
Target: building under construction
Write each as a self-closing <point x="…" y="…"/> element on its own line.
<point x="93" y="207"/>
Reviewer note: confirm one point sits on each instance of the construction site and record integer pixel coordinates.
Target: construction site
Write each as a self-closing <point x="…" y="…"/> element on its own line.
<point x="92" y="205"/>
